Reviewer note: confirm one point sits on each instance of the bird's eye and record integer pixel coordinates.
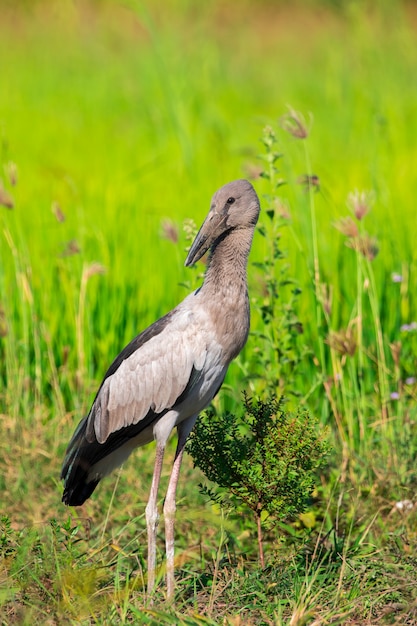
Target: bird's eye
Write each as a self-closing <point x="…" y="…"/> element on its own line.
<point x="230" y="200"/>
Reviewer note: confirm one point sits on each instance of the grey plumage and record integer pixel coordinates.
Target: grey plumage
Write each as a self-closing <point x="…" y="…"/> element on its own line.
<point x="174" y="368"/>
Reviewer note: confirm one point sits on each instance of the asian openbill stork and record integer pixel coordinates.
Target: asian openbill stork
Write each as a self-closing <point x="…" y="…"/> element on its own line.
<point x="172" y="370"/>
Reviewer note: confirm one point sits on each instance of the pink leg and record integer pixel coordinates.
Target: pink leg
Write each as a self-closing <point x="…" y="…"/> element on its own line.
<point x="184" y="430"/>
<point x="152" y="517"/>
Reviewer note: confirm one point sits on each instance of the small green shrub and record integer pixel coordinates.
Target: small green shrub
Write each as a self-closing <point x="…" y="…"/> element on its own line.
<point x="266" y="459"/>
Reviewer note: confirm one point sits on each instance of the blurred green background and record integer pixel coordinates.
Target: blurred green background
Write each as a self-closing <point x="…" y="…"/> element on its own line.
<point x="125" y="114"/>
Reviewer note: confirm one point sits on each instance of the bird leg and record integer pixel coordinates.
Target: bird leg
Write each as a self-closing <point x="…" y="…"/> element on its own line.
<point x="184" y="430"/>
<point x="151" y="513"/>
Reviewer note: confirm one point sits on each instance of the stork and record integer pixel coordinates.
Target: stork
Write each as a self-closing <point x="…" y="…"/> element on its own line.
<point x="172" y="370"/>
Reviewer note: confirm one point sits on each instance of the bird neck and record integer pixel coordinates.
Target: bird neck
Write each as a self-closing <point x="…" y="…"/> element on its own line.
<point x="227" y="265"/>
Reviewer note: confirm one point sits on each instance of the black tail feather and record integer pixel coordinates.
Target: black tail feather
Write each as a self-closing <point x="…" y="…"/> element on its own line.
<point x="77" y="494"/>
<point x="81" y="456"/>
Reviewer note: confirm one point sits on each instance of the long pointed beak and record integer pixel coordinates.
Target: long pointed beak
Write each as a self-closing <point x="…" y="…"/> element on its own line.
<point x="211" y="229"/>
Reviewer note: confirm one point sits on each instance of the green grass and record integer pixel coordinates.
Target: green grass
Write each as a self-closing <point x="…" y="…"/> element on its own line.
<point x="123" y="117"/>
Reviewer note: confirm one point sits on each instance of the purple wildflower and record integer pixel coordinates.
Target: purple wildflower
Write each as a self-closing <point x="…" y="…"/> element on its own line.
<point x="396" y="278"/>
<point x="408" y="328"/>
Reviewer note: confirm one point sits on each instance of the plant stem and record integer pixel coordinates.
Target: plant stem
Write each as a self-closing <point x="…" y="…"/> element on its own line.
<point x="316" y="261"/>
<point x="260" y="541"/>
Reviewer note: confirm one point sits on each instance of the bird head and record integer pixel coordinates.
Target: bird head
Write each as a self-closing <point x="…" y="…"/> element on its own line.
<point x="233" y="206"/>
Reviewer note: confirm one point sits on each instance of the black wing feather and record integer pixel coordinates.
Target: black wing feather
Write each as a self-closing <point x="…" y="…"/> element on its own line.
<point x="82" y="455"/>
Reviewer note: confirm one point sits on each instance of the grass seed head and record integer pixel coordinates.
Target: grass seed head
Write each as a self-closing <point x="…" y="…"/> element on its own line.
<point x="6" y="199"/>
<point x="294" y="123"/>
<point x="309" y="182"/>
<point x="360" y="203"/>
<point x="169" y="231"/>
<point x="71" y="247"/>
<point x="347" y="227"/>
<point x="326" y="297"/>
<point x="366" y="245"/>
<point x="57" y="211"/>
<point x="93" y="269"/>
<point x="395" y="348"/>
<point x="343" y="341"/>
